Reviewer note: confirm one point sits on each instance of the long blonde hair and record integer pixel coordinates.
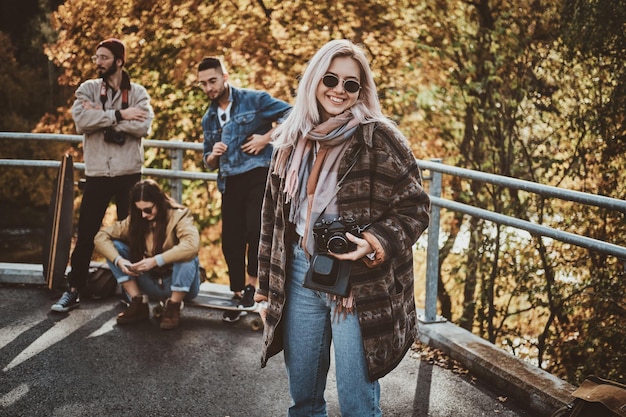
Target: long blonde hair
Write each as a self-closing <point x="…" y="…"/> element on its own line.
<point x="305" y="114"/>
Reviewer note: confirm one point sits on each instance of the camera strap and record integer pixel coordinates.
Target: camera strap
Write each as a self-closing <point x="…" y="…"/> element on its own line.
<point x="352" y="164"/>
<point x="342" y="179"/>
<point x="103" y="95"/>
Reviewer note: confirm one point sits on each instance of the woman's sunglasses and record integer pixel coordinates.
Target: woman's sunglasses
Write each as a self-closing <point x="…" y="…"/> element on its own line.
<point x="350" y="86"/>
<point x="147" y="210"/>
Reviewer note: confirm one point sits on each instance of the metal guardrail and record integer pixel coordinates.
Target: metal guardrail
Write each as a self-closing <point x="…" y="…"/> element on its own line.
<point x="533" y="187"/>
<point x="432" y="261"/>
<point x="177" y="148"/>
<point x="436" y="170"/>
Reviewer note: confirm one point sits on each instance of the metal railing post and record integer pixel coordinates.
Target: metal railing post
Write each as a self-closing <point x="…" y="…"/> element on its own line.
<point x="176" y="184"/>
<point x="432" y="256"/>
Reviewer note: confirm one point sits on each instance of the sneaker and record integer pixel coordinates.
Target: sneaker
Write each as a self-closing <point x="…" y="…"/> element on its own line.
<point x="247" y="300"/>
<point x="171" y="315"/>
<point x="68" y="301"/>
<point x="231" y="316"/>
<point x="137" y="310"/>
<point x="237" y="298"/>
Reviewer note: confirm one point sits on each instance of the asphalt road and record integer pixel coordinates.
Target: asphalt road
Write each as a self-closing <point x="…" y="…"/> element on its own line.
<point x="83" y="364"/>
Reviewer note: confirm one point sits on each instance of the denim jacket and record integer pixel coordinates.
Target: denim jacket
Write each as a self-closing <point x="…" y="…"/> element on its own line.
<point x="252" y="112"/>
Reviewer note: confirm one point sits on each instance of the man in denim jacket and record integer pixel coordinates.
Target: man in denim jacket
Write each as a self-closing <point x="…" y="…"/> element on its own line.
<point x="237" y="130"/>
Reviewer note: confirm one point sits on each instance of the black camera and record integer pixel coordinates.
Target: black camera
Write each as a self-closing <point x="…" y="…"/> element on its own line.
<point x="330" y="235"/>
<point x="114" y="136"/>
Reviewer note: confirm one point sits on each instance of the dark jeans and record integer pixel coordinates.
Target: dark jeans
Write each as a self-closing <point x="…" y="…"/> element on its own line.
<point x="98" y="193"/>
<point x="241" y="224"/>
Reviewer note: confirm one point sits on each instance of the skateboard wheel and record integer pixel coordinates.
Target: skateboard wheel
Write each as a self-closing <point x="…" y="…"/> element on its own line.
<point x="157" y="311"/>
<point x="256" y="324"/>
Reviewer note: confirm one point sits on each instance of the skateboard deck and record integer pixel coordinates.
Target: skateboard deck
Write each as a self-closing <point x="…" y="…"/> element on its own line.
<point x="58" y="230"/>
<point x="222" y="303"/>
<point x="219" y="297"/>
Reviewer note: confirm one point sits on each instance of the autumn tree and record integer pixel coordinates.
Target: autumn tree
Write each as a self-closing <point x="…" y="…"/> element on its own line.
<point x="594" y="38"/>
<point x="29" y="91"/>
<point x="516" y="104"/>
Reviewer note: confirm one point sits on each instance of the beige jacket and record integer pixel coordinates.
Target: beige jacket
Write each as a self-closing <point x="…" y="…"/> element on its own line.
<point x="182" y="240"/>
<point x="103" y="159"/>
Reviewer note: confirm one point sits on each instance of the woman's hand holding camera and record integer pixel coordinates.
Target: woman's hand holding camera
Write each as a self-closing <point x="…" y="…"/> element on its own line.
<point x="363" y="248"/>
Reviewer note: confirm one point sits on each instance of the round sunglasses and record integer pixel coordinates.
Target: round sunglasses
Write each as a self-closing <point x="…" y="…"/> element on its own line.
<point x="331" y="81"/>
<point x="147" y="210"/>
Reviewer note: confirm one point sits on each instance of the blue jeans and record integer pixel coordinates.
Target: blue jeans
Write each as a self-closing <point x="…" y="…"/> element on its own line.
<point x="309" y="326"/>
<point x="185" y="277"/>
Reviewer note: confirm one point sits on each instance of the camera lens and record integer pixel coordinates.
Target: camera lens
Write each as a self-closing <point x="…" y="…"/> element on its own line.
<point x="337" y="244"/>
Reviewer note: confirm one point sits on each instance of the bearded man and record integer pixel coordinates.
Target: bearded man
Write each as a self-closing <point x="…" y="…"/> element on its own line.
<point x="113" y="114"/>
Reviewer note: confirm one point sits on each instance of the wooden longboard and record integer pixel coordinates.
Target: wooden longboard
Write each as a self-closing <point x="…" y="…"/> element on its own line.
<point x="58" y="230"/>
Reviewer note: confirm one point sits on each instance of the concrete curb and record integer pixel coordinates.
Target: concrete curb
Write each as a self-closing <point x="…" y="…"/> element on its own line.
<point x="532" y="387"/>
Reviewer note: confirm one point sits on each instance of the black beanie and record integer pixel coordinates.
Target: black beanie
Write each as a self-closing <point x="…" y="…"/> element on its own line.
<point x="116" y="46"/>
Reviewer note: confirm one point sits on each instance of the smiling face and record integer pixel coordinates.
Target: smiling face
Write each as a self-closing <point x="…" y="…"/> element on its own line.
<point x="335" y="100"/>
<point x="148" y="210"/>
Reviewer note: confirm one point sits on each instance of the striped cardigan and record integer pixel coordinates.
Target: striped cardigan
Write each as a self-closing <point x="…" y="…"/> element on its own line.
<point x="384" y="188"/>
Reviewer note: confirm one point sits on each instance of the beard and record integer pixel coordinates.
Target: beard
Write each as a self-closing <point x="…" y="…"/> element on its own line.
<point x="104" y="73"/>
<point x="220" y="95"/>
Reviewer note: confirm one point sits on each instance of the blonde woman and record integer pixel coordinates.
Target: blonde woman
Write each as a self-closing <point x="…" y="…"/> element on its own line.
<point x="344" y="188"/>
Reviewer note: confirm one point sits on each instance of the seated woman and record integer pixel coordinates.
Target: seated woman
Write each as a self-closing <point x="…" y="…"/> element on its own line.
<point x="154" y="251"/>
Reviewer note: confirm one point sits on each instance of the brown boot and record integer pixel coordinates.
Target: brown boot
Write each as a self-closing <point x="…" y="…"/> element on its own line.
<point x="136" y="311"/>
<point x="171" y="315"/>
